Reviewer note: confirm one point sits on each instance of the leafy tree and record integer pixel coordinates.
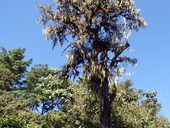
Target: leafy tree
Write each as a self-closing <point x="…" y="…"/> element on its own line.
<point x="36" y="73"/>
<point x="47" y="90"/>
<point x="55" y="119"/>
<point x="14" y="112"/>
<point x="12" y="68"/>
<point x="129" y="109"/>
<point x="11" y="122"/>
<point x="9" y="104"/>
<point x="97" y="33"/>
<point x="13" y="106"/>
<point x="78" y="105"/>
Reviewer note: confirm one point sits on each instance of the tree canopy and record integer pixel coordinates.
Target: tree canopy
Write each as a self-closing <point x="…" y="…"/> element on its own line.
<point x="35" y="105"/>
<point x="96" y="33"/>
<point x="86" y="91"/>
<point x="12" y="68"/>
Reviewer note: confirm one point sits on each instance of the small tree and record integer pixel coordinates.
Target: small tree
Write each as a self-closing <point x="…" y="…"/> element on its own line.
<point x="96" y="33"/>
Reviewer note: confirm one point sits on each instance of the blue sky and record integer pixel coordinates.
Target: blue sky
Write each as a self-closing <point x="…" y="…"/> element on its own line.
<point x="18" y="28"/>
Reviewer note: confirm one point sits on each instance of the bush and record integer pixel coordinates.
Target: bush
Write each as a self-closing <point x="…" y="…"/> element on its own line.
<point x="11" y="122"/>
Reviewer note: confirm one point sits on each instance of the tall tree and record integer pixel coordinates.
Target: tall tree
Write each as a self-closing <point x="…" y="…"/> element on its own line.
<point x="96" y="33"/>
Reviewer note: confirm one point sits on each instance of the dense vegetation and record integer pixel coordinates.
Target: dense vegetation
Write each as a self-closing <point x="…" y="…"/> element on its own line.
<point x="42" y="98"/>
<point x="86" y="92"/>
<point x="96" y="33"/>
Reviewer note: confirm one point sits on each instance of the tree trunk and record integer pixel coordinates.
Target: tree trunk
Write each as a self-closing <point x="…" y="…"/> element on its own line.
<point x="105" y="112"/>
<point x="105" y="105"/>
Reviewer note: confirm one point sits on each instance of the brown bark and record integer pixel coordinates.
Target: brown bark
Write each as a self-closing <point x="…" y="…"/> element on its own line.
<point x="105" y="105"/>
<point x="105" y="118"/>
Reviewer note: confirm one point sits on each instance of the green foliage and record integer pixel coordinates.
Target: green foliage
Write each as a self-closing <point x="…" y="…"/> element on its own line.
<point x="13" y="105"/>
<point x="36" y="73"/>
<point x="135" y="108"/>
<point x="9" y="104"/>
<point x="96" y="33"/>
<point x="55" y="120"/>
<point x="12" y="68"/>
<point x="47" y="89"/>
<point x="11" y="122"/>
<point x="68" y="105"/>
